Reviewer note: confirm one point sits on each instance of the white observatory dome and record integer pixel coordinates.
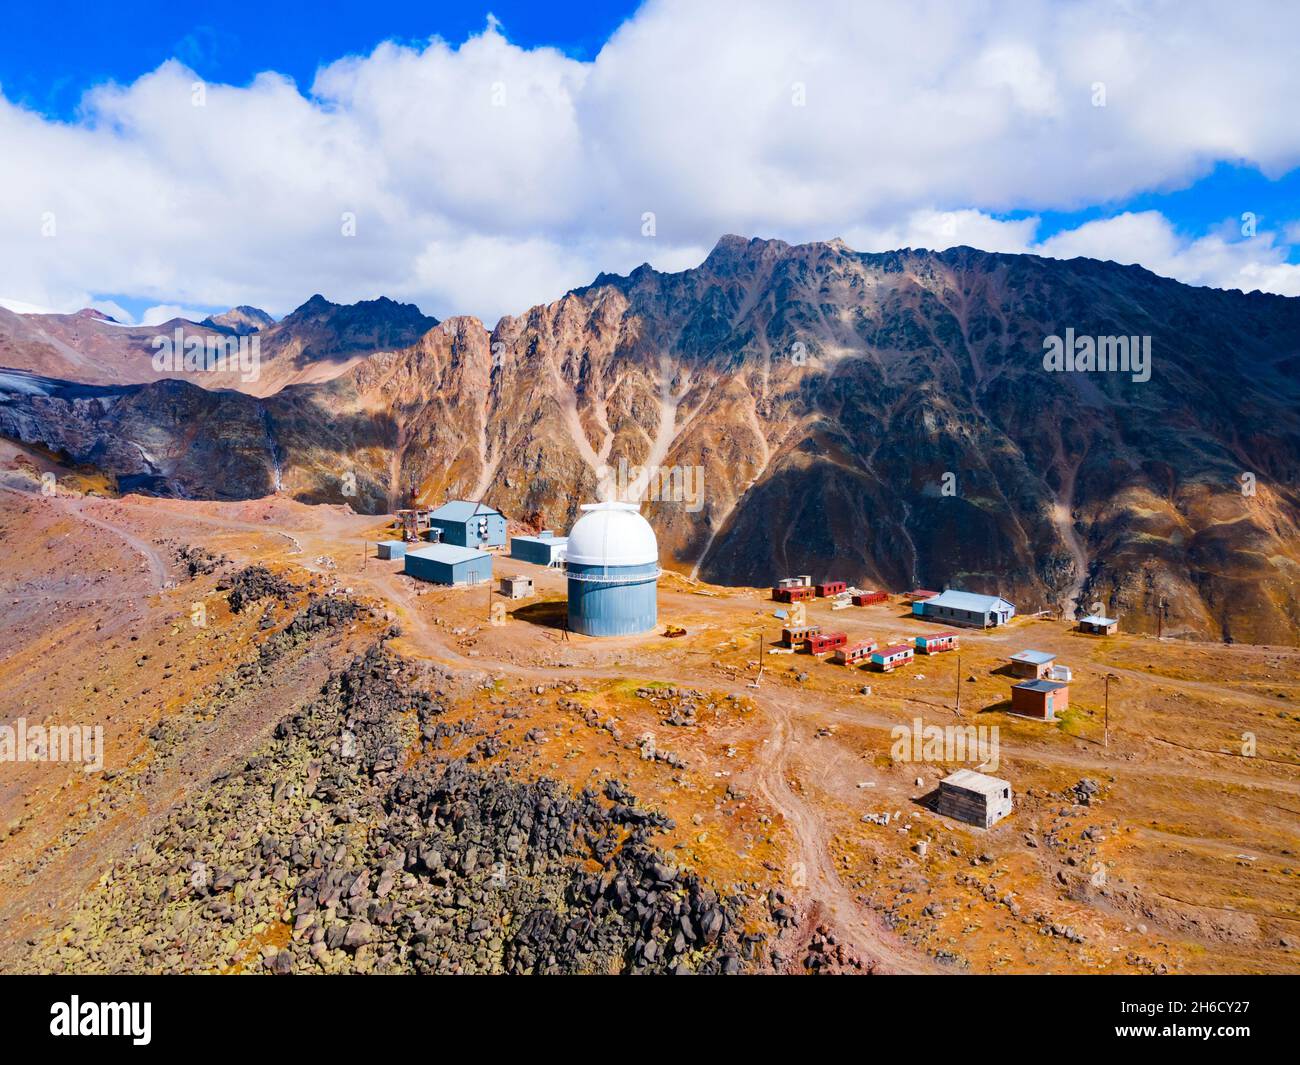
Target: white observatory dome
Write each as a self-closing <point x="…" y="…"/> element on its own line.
<point x="612" y="534"/>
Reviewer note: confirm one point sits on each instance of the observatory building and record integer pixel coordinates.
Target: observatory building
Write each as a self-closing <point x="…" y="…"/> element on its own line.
<point x="612" y="562"/>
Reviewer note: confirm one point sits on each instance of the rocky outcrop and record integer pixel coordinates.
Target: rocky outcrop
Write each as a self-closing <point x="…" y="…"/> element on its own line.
<point x="348" y="844"/>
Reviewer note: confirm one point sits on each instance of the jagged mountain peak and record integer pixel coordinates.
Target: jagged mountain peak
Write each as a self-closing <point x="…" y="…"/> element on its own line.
<point x="95" y="314"/>
<point x="242" y="319"/>
<point x="825" y="393"/>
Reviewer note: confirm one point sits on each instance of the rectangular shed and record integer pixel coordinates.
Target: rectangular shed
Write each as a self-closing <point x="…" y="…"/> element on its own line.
<point x="391" y="549"/>
<point x="935" y="642"/>
<point x="889" y="658"/>
<point x="853" y="653"/>
<point x="793" y="635"/>
<point x="448" y="564"/>
<point x="830" y="588"/>
<point x="465" y="523"/>
<point x="516" y="587"/>
<point x="821" y="642"/>
<point x="867" y="598"/>
<point x="1043" y="699"/>
<point x="1098" y="625"/>
<point x="965" y="608"/>
<point x="543" y="550"/>
<point x="974" y="798"/>
<point x="795" y="594"/>
<point x="1032" y="664"/>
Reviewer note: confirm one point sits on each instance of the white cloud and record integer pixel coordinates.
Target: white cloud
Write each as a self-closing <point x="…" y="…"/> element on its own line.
<point x="1217" y="259"/>
<point x="19" y="307"/>
<point x="114" y="310"/>
<point x="165" y="312"/>
<point x="486" y="177"/>
<point x="938" y="230"/>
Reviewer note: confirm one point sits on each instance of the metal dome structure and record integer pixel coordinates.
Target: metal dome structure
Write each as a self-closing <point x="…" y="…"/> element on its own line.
<point x="612" y="563"/>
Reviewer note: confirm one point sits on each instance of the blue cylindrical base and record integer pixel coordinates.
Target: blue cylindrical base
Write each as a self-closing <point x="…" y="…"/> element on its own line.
<point x="624" y="606"/>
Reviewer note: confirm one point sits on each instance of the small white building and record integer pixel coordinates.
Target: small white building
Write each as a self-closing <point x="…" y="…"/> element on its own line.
<point x="516" y="586"/>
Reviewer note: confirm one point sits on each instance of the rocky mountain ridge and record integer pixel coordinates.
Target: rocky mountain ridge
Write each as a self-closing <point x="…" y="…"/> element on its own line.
<point x="317" y="341"/>
<point x="884" y="418"/>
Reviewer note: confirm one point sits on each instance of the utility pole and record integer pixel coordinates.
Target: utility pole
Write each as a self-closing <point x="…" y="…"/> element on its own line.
<point x="959" y="684"/>
<point x="1105" y="731"/>
<point x="760" y="660"/>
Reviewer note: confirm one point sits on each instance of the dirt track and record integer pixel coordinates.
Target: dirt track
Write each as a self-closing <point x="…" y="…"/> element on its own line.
<point x="785" y="742"/>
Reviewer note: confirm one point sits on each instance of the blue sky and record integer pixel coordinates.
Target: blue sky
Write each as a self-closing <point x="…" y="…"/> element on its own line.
<point x="1227" y="192"/>
<point x="924" y="125"/>
<point x="231" y="42"/>
<point x="48" y="69"/>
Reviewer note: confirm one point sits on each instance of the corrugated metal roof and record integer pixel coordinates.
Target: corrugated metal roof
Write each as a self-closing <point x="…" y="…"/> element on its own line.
<point x="973" y="781"/>
<point x="1033" y="658"/>
<point x="1040" y="685"/>
<point x="545" y="539"/>
<point x="892" y="649"/>
<point x="1097" y="619"/>
<point x="449" y="553"/>
<point x="461" y="510"/>
<point x="937" y="636"/>
<point x="956" y="600"/>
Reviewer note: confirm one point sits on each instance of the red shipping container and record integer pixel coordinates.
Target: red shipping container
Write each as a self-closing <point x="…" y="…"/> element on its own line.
<point x="867" y="598"/>
<point x="826" y="641"/>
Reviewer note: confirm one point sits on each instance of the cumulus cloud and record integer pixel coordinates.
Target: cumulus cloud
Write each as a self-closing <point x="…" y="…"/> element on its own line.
<point x="1224" y="258"/>
<point x="165" y="312"/>
<point x="482" y="177"/>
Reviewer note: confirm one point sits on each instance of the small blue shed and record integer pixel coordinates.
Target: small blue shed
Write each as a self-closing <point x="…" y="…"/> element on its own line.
<point x="544" y="549"/>
<point x="392" y="548"/>
<point x="448" y="564"/>
<point x="468" y="524"/>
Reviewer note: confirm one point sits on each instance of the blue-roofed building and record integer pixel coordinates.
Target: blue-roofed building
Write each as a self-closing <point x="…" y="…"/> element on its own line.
<point x="391" y="549"/>
<point x="544" y="549"/>
<point x="1033" y="664"/>
<point x="467" y="524"/>
<point x="1099" y="625"/>
<point x="448" y="564"/>
<point x="965" y="608"/>
<point x="1043" y="699"/>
